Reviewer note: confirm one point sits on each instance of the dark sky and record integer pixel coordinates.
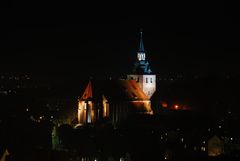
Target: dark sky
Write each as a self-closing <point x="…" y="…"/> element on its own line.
<point x="65" y="37"/>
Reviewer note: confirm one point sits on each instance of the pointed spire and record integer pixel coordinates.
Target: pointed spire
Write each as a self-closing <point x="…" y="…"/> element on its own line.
<point x="141" y="46"/>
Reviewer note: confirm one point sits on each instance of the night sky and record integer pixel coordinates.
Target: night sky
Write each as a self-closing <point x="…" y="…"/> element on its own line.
<point x="62" y="38"/>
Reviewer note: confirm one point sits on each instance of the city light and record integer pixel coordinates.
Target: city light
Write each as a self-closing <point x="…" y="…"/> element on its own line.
<point x="164" y="104"/>
<point x="182" y="140"/>
<point x="203" y="148"/>
<point x="176" y="107"/>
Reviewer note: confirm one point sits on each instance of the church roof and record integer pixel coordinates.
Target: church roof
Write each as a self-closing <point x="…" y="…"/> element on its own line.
<point x="132" y="90"/>
<point x="141" y="66"/>
<point x="88" y="92"/>
<point x="113" y="90"/>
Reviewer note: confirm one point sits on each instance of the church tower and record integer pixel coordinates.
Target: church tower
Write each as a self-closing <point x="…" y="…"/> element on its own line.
<point x="142" y="73"/>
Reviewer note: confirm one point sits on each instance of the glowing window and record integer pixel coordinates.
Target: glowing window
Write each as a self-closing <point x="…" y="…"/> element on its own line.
<point x="139" y="56"/>
<point x="143" y="57"/>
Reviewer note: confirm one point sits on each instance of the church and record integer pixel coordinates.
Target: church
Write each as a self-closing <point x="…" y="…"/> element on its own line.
<point x="116" y="100"/>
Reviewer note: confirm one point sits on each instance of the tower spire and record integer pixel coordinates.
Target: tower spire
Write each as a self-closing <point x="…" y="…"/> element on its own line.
<point x="142" y="65"/>
<point x="141" y="46"/>
<point x="142" y="73"/>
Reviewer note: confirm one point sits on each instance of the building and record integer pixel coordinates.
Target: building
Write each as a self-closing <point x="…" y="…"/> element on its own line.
<point x="215" y="146"/>
<point x="116" y="100"/>
<point x="142" y="73"/>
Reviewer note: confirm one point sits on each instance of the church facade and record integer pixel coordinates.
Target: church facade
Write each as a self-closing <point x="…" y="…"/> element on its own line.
<point x="116" y="100"/>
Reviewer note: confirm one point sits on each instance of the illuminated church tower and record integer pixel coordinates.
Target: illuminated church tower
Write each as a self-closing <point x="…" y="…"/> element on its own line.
<point x="142" y="73"/>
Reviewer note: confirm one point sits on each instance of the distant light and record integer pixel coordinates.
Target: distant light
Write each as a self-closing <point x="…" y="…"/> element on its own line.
<point x="194" y="148"/>
<point x="27" y="109"/>
<point x="182" y="140"/>
<point x="209" y="129"/>
<point x="219" y="126"/>
<point x="164" y="104"/>
<point x="51" y="117"/>
<point x="203" y="148"/>
<point x="231" y="138"/>
<point x="176" y="107"/>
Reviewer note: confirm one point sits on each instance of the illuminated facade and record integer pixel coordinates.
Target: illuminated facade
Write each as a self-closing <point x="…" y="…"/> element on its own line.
<point x="115" y="100"/>
<point x="142" y="73"/>
<point x="111" y="100"/>
<point x="215" y="146"/>
<point x="90" y="110"/>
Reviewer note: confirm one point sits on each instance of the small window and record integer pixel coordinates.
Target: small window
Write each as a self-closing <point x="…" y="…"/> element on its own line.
<point x="138" y="79"/>
<point x="151" y="80"/>
<point x="146" y="80"/>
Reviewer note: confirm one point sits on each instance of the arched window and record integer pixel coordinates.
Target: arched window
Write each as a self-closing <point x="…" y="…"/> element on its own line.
<point x="143" y="57"/>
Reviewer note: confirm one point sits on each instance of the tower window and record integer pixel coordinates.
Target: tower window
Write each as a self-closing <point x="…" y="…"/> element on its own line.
<point x="138" y="79"/>
<point x="151" y="80"/>
<point x="146" y="80"/>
